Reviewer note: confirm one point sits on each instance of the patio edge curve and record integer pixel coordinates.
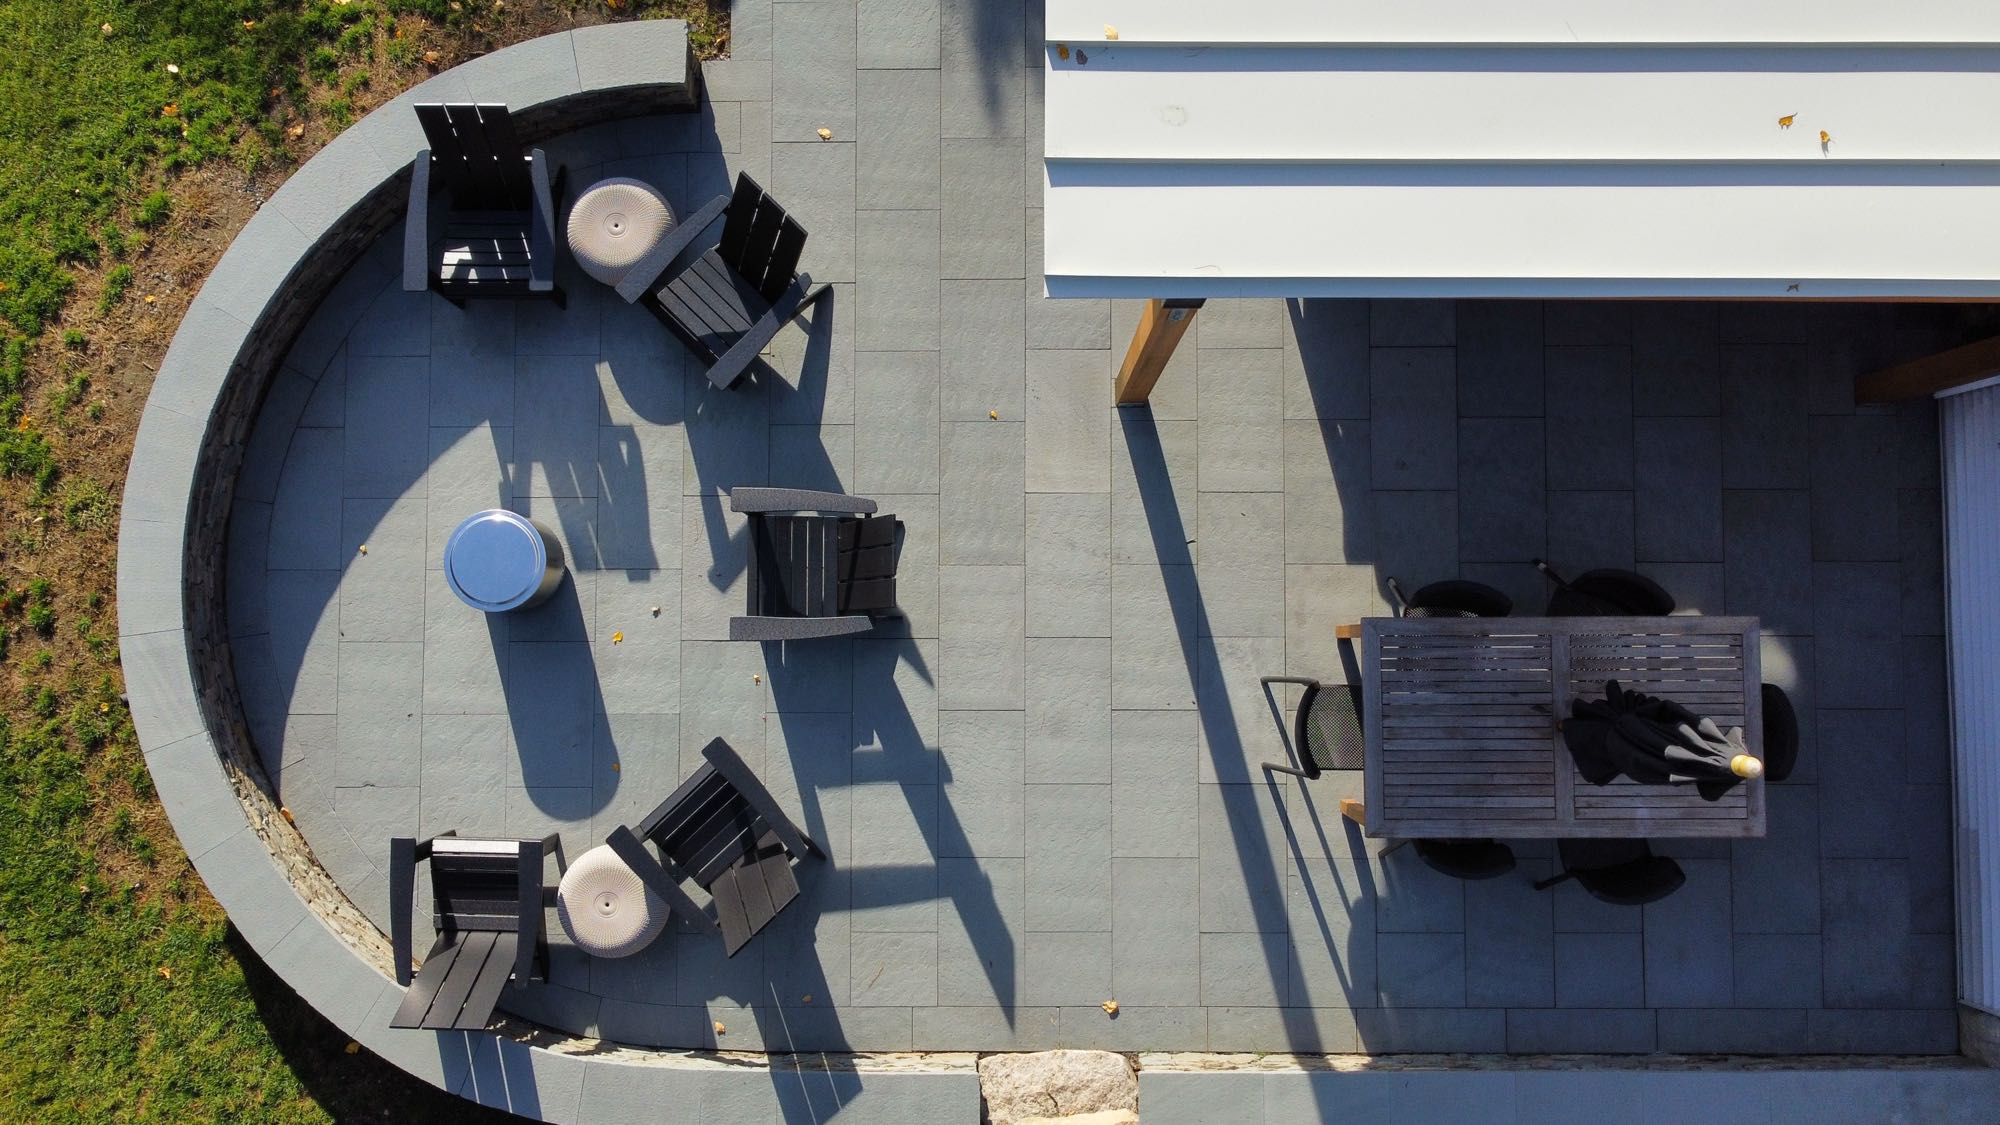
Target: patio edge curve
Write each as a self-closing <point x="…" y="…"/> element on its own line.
<point x="173" y="630"/>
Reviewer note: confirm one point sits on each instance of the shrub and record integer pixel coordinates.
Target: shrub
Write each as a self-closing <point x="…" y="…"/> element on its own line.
<point x="115" y="284"/>
<point x="153" y="210"/>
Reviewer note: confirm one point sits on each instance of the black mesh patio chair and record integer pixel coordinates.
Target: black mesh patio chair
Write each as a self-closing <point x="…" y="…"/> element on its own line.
<point x="489" y="231"/>
<point x="1620" y="872"/>
<point x="1781" y="734"/>
<point x="821" y="564"/>
<point x="488" y="898"/>
<point x="1326" y="734"/>
<point x="1452" y="597"/>
<point x="730" y="301"/>
<point x="1606" y="592"/>
<point x="1467" y="859"/>
<point x="722" y="831"/>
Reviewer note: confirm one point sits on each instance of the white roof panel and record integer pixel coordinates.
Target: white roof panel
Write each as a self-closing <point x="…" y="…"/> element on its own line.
<point x="1278" y="147"/>
<point x="1525" y="21"/>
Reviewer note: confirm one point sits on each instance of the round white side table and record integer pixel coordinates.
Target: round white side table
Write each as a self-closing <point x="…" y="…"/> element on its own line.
<point x="605" y="909"/>
<point x="614" y="223"/>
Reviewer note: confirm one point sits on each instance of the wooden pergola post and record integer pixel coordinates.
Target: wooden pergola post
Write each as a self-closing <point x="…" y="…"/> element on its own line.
<point x="1161" y="327"/>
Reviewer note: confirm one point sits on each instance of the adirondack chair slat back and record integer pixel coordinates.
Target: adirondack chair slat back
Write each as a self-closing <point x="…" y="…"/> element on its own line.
<point x="704" y="827"/>
<point x="759" y="240"/>
<point x="476" y="157"/>
<point x="476" y="892"/>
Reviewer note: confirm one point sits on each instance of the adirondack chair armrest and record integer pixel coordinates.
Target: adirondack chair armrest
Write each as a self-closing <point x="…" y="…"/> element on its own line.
<point x="748" y="499"/>
<point x="762" y="628"/>
<point x="647" y="270"/>
<point x="541" y="226"/>
<point x="416" y="227"/>
<point x="726" y="370"/>
<point x="657" y="880"/>
<point x="529" y="906"/>
<point x="402" y="892"/>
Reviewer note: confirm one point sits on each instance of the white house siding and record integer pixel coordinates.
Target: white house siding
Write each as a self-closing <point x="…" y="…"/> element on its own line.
<point x="1971" y="445"/>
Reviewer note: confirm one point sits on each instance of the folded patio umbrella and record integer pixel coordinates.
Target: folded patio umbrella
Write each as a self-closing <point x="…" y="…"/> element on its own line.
<point x="1655" y="741"/>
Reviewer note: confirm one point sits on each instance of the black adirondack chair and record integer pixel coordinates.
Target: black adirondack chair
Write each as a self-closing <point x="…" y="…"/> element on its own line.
<point x="490" y="230"/>
<point x="729" y="302"/>
<point x="821" y="564"/>
<point x="722" y="830"/>
<point x="488" y="897"/>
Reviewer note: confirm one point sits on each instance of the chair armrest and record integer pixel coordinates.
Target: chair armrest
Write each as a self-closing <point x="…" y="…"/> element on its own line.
<point x="731" y="365"/>
<point x="796" y="628"/>
<point x="416" y="227"/>
<point x="629" y="849"/>
<point x="747" y="499"/>
<point x="529" y="924"/>
<point x="541" y="226"/>
<point x="639" y="280"/>
<point x="402" y="893"/>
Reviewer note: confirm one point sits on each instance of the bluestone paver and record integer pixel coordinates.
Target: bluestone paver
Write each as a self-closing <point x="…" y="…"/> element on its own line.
<point x="983" y="362"/>
<point x="1069" y="709"/>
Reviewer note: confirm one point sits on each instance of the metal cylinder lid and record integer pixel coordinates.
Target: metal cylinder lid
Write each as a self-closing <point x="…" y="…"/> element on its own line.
<point x="496" y="560"/>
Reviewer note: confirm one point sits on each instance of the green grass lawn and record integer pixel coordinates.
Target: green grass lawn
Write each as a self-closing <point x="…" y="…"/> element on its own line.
<point x="124" y="995"/>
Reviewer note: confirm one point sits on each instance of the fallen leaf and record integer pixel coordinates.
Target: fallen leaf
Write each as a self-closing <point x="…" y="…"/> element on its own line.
<point x="616" y="768"/>
<point x="165" y="973"/>
<point x="618" y="638"/>
<point x="169" y="110"/>
<point x="826" y="134"/>
<point x="1110" y="32"/>
<point x="1110" y="1007"/>
<point x="248" y="24"/>
<point x="149" y="298"/>
<point x="993" y="414"/>
<point x="1824" y="137"/>
<point x="296" y="131"/>
<point x="431" y="58"/>
<point x="1785" y="122"/>
<point x="806" y="999"/>
<point x="1062" y="49"/>
<point x="656" y="611"/>
<point x="364" y="548"/>
<point x="719" y="1029"/>
<point x="105" y="28"/>
<point x="103" y="708"/>
<point x="286" y="812"/>
<point x="756" y="678"/>
<point x="352" y="1047"/>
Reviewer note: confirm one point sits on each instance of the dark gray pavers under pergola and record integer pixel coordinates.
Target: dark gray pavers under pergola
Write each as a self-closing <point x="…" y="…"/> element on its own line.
<point x="1042" y="793"/>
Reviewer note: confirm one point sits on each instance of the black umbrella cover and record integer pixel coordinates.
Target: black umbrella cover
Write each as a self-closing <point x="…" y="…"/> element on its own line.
<point x="1654" y="741"/>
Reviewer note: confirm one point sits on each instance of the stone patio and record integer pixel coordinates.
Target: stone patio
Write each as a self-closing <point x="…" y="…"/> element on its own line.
<point x="1040" y="791"/>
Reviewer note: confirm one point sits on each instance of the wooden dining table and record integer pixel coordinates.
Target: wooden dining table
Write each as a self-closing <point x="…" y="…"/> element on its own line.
<point x="1463" y="724"/>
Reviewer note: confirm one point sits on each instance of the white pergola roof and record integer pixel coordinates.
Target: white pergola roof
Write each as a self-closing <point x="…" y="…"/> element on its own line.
<point x="1522" y="149"/>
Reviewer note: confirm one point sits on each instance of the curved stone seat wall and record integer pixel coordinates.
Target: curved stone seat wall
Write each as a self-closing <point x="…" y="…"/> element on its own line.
<point x="173" y="627"/>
